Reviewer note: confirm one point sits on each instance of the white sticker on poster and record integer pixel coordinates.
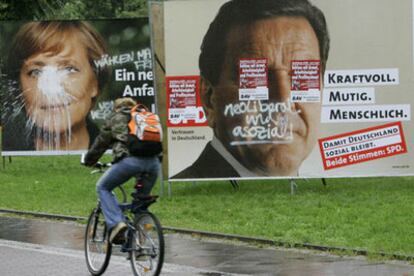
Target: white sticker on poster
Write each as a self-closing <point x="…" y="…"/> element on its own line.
<point x="363" y="114"/>
<point x="311" y="96"/>
<point x="338" y="78"/>
<point x="187" y="113"/>
<point x="253" y="79"/>
<point x="348" y="96"/>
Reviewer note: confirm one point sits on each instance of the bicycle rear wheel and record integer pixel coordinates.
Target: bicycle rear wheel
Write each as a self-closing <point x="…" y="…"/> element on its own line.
<point x="147" y="244"/>
<point x="97" y="247"/>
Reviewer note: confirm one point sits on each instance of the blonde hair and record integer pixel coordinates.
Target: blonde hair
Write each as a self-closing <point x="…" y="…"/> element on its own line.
<point x="51" y="36"/>
<point x="124" y="102"/>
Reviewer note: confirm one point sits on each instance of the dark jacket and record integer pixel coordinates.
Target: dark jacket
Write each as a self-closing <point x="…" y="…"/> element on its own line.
<point x="18" y="137"/>
<point x="114" y="133"/>
<point x="210" y="164"/>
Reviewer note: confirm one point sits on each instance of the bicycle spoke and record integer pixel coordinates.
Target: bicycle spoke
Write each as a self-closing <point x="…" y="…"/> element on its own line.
<point x="97" y="248"/>
<point x="148" y="246"/>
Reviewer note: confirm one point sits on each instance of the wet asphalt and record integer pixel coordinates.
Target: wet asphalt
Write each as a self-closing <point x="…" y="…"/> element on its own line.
<point x="50" y="247"/>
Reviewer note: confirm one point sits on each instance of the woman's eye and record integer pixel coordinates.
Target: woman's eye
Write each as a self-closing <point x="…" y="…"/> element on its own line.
<point x="34" y="73"/>
<point x="71" y="69"/>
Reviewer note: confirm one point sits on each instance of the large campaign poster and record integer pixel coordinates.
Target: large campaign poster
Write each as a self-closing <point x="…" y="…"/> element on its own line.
<point x="59" y="80"/>
<point x="289" y="96"/>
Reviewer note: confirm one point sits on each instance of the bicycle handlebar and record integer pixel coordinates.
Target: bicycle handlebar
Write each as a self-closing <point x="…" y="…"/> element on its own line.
<point x="99" y="166"/>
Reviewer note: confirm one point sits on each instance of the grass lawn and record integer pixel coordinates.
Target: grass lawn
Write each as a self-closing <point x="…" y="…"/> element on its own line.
<point x="373" y="214"/>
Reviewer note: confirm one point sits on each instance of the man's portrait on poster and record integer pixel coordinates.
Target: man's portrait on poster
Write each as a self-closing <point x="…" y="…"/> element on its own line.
<point x="258" y="137"/>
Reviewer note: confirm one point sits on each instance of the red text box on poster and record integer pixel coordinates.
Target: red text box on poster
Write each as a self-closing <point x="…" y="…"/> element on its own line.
<point x="183" y="102"/>
<point x="253" y="81"/>
<point x="362" y="145"/>
<point x="306" y="75"/>
<point x="305" y="80"/>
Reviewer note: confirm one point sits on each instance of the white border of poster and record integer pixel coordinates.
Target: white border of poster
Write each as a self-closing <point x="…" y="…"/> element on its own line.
<point x="54" y="92"/>
<point x="367" y="84"/>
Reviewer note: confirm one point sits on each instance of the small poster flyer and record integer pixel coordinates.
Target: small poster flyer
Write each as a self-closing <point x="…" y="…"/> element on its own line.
<point x="305" y="81"/>
<point x="362" y="145"/>
<point x="183" y="101"/>
<point x="253" y="79"/>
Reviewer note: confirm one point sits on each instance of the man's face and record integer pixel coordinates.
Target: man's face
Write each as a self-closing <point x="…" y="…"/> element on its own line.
<point x="58" y="88"/>
<point x="290" y="129"/>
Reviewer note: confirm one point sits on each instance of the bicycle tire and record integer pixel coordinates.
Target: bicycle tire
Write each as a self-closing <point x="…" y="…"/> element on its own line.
<point x="147" y="244"/>
<point x="98" y="249"/>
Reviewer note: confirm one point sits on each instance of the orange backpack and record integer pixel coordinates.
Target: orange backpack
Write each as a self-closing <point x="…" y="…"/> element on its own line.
<point x="145" y="124"/>
<point x="145" y="132"/>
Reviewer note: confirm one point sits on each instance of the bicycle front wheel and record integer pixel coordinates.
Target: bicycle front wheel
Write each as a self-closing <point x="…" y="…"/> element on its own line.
<point x="97" y="247"/>
<point x="147" y="244"/>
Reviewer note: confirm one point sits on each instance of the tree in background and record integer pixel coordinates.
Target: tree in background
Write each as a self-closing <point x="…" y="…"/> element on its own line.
<point x="29" y="9"/>
<point x="71" y="9"/>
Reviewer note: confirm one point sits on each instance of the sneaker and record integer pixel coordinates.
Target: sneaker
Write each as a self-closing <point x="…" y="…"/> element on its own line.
<point x="118" y="233"/>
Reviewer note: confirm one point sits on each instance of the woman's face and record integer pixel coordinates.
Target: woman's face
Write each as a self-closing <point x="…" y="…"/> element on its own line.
<point x="58" y="88"/>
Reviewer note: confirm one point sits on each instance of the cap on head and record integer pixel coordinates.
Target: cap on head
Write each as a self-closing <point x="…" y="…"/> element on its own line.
<point x="124" y="102"/>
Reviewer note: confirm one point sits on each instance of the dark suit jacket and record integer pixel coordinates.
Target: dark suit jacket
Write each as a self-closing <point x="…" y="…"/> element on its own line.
<point x="210" y="164"/>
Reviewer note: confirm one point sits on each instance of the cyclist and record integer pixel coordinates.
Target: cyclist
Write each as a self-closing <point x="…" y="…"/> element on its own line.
<point x="114" y="134"/>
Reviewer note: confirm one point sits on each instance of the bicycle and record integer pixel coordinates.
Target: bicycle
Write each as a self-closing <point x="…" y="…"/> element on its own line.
<point x="144" y="242"/>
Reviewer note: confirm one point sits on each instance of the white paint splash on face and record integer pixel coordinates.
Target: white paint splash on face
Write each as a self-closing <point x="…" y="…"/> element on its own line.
<point x="56" y="99"/>
<point x="50" y="82"/>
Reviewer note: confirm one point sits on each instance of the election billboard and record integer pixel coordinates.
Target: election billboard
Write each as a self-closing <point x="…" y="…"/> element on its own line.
<point x="288" y="89"/>
<point x="59" y="80"/>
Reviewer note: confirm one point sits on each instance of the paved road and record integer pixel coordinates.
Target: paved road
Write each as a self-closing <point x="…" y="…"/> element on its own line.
<point x="19" y="258"/>
<point x="42" y="247"/>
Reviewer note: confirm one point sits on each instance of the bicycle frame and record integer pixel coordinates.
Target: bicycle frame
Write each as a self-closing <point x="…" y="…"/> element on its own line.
<point x="144" y="242"/>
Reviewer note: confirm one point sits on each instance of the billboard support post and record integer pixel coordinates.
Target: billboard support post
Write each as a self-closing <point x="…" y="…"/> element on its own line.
<point x="4" y="161"/>
<point x="169" y="189"/>
<point x="293" y="186"/>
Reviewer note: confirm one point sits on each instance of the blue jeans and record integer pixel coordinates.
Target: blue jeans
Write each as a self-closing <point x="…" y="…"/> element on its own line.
<point x="120" y="173"/>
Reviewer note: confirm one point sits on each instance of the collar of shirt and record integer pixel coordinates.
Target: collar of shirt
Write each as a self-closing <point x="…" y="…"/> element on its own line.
<point x="240" y="169"/>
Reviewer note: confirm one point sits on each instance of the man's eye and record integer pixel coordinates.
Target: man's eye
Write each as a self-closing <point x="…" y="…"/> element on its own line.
<point x="71" y="69"/>
<point x="34" y="73"/>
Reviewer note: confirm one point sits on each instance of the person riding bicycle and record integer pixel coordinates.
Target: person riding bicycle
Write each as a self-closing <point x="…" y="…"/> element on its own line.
<point x="115" y="134"/>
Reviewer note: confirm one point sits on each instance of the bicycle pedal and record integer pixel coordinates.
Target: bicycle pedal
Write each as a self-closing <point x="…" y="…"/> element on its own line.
<point x="148" y="226"/>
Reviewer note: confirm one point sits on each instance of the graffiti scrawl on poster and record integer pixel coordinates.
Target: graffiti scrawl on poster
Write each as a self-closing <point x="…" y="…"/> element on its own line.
<point x="274" y="87"/>
<point x="60" y="79"/>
